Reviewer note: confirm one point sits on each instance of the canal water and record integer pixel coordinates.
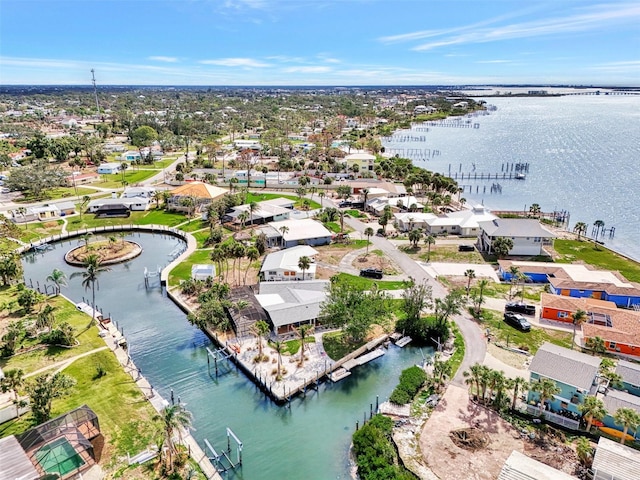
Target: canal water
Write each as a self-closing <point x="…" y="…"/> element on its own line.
<point x="309" y="439"/>
<point x="582" y="153"/>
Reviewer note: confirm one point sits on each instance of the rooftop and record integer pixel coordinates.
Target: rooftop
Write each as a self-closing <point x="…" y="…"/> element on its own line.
<point x="629" y="371"/>
<point x="615" y="399"/>
<point x="520" y="467"/>
<point x="292" y="302"/>
<point x="288" y="259"/>
<point x="301" y="229"/>
<point x="515" y="227"/>
<point x="616" y="461"/>
<point x="565" y="366"/>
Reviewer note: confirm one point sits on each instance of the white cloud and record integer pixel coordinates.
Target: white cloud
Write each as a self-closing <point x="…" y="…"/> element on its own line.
<point x="161" y="58"/>
<point x="308" y="69"/>
<point x="236" y="62"/>
<point x="493" y="61"/>
<point x="598" y="18"/>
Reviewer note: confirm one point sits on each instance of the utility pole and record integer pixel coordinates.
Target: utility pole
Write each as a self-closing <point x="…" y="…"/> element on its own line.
<point x="95" y="90"/>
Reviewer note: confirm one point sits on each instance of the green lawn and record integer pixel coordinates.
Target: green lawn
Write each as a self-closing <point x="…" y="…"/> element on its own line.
<point x="57" y="194"/>
<point x="352" y="244"/>
<point x="442" y="253"/>
<point x="259" y="197"/>
<point x="130" y="176"/>
<point x="336" y="345"/>
<point x="32" y="232"/>
<point x="193" y="225"/>
<point x="65" y="312"/>
<point x="157" y="217"/>
<point x="332" y="226"/>
<point x="355" y="213"/>
<point x="501" y="290"/>
<point x="183" y="271"/>
<point x="201" y="237"/>
<point x="367" y="283"/>
<point x="597" y="255"/>
<point x="530" y="341"/>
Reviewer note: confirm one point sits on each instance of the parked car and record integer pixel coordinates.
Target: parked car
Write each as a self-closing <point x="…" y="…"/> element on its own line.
<point x="466" y="248"/>
<point x="518" y="307"/>
<point x="518" y="321"/>
<point x="371" y="273"/>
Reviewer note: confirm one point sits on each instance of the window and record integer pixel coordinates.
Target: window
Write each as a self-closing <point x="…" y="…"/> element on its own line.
<point x="612" y="345"/>
<point x="273" y="273"/>
<point x="562" y="315"/>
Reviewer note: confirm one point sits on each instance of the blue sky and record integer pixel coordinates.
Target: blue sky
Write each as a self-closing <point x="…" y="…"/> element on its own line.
<point x="319" y="42"/>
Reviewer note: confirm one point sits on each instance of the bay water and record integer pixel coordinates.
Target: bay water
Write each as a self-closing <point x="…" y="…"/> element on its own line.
<point x="583" y="153"/>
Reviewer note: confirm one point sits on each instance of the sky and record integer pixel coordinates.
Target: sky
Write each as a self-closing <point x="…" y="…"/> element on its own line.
<point x="320" y="42"/>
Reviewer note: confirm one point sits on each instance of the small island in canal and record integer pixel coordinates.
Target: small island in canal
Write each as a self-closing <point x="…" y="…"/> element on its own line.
<point x="109" y="251"/>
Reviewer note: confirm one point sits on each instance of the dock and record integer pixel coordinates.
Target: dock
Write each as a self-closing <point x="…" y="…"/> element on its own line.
<point x="403" y="342"/>
<point x="366" y="358"/>
<point x="339" y="374"/>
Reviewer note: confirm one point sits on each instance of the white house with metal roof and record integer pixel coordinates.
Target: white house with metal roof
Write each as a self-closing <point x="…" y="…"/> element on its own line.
<point x="283" y="265"/>
<point x="292" y="303"/>
<point x="302" y="232"/>
<point x="528" y="235"/>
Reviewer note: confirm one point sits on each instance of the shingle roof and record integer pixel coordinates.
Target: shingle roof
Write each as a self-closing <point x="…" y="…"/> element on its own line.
<point x="566" y="366"/>
<point x="614" y="460"/>
<point x="629" y="371"/>
<point x="625" y="328"/>
<point x="572" y="304"/>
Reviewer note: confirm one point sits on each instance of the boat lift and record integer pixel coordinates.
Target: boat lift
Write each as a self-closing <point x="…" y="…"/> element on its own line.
<point x="220" y="354"/>
<point x="221" y="460"/>
<point x="149" y="275"/>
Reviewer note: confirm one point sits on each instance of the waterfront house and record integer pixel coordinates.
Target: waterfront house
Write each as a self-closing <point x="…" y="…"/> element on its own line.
<point x="301" y="232"/>
<point x="273" y="210"/>
<point x="465" y="223"/>
<point x="199" y="192"/>
<point x="574" y="373"/>
<point x="408" y="221"/>
<point x="290" y="304"/>
<point x="397" y="204"/>
<point x="144" y="192"/>
<point x="612" y="287"/>
<point x="283" y="265"/>
<point x="528" y="236"/>
<point x="131" y="204"/>
<point x="364" y="161"/>
<point x="615" y="400"/>
<point x="614" y="461"/>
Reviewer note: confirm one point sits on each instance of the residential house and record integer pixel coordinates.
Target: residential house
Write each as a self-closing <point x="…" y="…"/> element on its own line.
<point x="397" y="204"/>
<point x="108" y="168"/>
<point x="528" y="235"/>
<point x="575" y="374"/>
<point x="521" y="467"/>
<point x="15" y="462"/>
<point x="615" y="400"/>
<point x="408" y="221"/>
<point x="144" y="192"/>
<point x="290" y="304"/>
<point x="130" y="156"/>
<point x="199" y="192"/>
<point x="283" y="265"/>
<point x="559" y="308"/>
<point x="364" y="161"/>
<point x="273" y="210"/>
<point x="611" y="286"/>
<point x="302" y="232"/>
<point x="630" y="374"/>
<point x="614" y="461"/>
<point x="619" y="328"/>
<point x="465" y="223"/>
<point x="131" y="204"/>
<point x="203" y="271"/>
<point x="78" y="178"/>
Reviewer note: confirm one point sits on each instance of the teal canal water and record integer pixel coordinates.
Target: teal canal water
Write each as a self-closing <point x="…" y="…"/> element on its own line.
<point x="309" y="440"/>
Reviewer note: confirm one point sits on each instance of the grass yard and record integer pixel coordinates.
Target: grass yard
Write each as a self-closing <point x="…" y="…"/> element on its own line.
<point x="501" y="290"/>
<point x="337" y="346"/>
<point x="351" y="244"/>
<point x="597" y="255"/>
<point x="367" y="283"/>
<point x="57" y="194"/>
<point x="442" y="253"/>
<point x="32" y="232"/>
<point x="130" y="176"/>
<point x="194" y="225"/>
<point x="65" y="311"/>
<point x="259" y="197"/>
<point x="183" y="271"/>
<point x="201" y="237"/>
<point x="355" y="213"/>
<point x="530" y="341"/>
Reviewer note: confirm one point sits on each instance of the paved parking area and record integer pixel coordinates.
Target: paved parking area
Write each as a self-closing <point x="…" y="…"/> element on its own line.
<point x="458" y="269"/>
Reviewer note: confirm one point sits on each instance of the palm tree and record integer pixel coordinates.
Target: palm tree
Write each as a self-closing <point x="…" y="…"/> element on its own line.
<point x="368" y="232"/>
<point x="341" y="214"/>
<point x="278" y="346"/>
<point x="546" y="388"/>
<point x="243" y="216"/>
<point x="85" y="201"/>
<point x="283" y="229"/>
<point x="13" y="381"/>
<point x="596" y="344"/>
<point x="628" y="418"/>
<point x="482" y="284"/>
<point x="470" y="274"/>
<point x="518" y="384"/>
<point x="580" y="228"/>
<point x="303" y="264"/>
<point x="501" y="246"/>
<point x="584" y="450"/>
<point x="579" y="317"/>
<point x="599" y="224"/>
<point x="474" y="373"/>
<point x="252" y="255"/>
<point x="535" y="209"/>
<point x="484" y="379"/>
<point x="441" y="372"/>
<point x="173" y="418"/>
<point x="253" y="207"/>
<point x="592" y="409"/>
<point x="414" y="237"/>
<point x="428" y="241"/>
<point x="321" y="195"/>
<point x="93" y="268"/>
<point x="260" y="329"/>
<point x="303" y="331"/>
<point x="58" y="278"/>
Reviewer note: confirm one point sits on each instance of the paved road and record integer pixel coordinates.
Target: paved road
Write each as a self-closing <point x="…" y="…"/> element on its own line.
<point x="475" y="346"/>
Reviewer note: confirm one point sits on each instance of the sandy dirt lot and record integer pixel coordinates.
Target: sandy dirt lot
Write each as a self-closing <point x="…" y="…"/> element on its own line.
<point x="447" y="460"/>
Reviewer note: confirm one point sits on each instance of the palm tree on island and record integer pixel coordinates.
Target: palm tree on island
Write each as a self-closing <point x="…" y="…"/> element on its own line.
<point x="93" y="268"/>
<point x="368" y="232"/>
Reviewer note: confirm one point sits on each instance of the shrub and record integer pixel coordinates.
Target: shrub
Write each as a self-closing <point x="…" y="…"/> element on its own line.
<point x="411" y="381"/>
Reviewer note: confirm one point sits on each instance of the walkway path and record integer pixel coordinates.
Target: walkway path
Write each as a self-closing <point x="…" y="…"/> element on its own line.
<point x="475" y="346"/>
<point x="62" y="364"/>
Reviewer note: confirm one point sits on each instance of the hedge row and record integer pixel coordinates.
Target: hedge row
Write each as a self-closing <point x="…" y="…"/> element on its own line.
<point x="411" y="381"/>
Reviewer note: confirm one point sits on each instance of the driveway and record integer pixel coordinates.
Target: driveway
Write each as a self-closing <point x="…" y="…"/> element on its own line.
<point x="475" y="347"/>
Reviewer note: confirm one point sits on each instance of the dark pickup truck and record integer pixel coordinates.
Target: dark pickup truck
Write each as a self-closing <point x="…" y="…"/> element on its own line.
<point x="523" y="308"/>
<point x="371" y="273"/>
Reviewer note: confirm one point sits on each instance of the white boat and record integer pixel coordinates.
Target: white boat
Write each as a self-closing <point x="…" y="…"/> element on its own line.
<point x="520" y="176"/>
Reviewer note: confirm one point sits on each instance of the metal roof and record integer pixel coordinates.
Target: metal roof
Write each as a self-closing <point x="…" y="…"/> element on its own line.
<point x="520" y="467"/>
<point x="565" y="366"/>
<point x="629" y="371"/>
<point x="614" y="461"/>
<point x="515" y="227"/>
<point x="14" y="461"/>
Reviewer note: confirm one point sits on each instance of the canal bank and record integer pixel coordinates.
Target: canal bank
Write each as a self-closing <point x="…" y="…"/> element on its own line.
<point x="312" y="435"/>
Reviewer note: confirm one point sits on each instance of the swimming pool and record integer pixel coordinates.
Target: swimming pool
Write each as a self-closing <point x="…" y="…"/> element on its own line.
<point x="60" y="457"/>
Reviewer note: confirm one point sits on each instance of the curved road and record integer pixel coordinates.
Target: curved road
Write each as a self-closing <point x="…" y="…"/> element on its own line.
<point x="475" y="346"/>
